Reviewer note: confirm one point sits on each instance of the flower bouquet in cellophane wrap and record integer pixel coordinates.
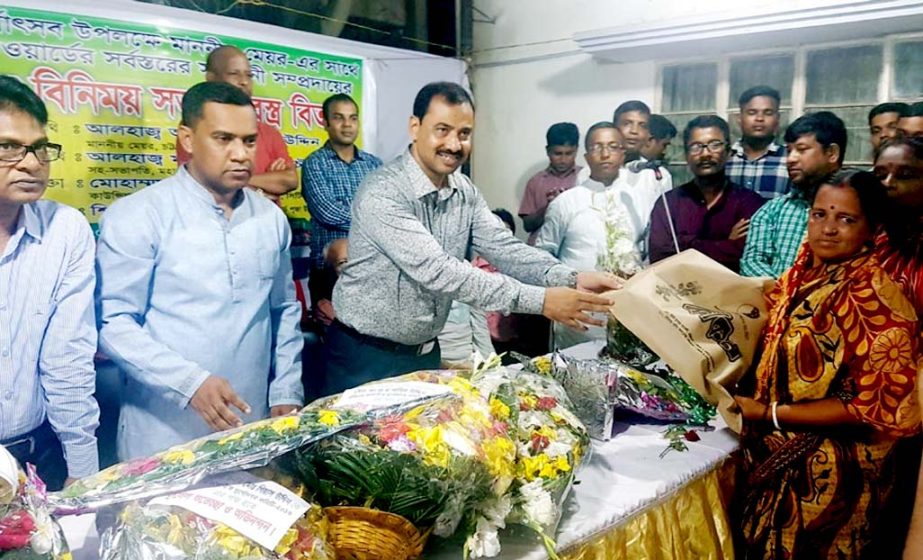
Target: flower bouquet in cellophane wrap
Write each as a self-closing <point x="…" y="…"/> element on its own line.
<point x="439" y="466"/>
<point x="27" y="531"/>
<point x="212" y="523"/>
<point x="551" y="443"/>
<point x="248" y="446"/>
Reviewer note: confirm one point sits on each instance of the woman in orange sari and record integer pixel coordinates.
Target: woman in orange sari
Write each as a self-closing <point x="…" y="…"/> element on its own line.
<point x="833" y="390"/>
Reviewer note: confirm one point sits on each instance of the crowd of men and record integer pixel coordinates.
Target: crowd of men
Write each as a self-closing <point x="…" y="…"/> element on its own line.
<point x="189" y="288"/>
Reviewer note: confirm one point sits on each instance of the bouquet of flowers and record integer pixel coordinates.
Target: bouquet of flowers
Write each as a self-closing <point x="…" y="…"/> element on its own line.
<point x="27" y="531"/>
<point x="154" y="532"/>
<point x="437" y="465"/>
<point x="550" y="441"/>
<point x="661" y="397"/>
<point x="620" y="255"/>
<point x="592" y="385"/>
<point x="248" y="446"/>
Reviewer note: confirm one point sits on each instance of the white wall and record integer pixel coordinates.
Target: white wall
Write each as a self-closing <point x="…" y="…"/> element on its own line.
<point x="522" y="90"/>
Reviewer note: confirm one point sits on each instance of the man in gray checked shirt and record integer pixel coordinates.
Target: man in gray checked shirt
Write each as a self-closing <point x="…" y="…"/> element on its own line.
<point x="414" y="221"/>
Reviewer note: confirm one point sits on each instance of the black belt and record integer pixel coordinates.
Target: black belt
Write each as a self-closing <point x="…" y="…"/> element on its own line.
<point x="26" y="442"/>
<point x="384" y="343"/>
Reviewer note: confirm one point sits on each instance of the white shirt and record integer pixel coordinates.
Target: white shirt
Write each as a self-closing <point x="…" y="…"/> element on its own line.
<point x="574" y="231"/>
<point x="638" y="192"/>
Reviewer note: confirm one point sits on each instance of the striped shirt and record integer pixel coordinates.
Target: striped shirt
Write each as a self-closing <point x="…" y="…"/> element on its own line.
<point x="776" y="233"/>
<point x="767" y="174"/>
<point x="329" y="185"/>
<point x="407" y="252"/>
<point x="48" y="331"/>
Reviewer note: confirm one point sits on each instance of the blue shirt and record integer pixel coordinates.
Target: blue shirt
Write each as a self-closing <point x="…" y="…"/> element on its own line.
<point x="329" y="185"/>
<point x="185" y="293"/>
<point x="48" y="331"/>
<point x="766" y="175"/>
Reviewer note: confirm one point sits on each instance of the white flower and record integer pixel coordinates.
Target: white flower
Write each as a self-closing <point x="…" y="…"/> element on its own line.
<point x="43" y="537"/>
<point x="537" y="504"/>
<point x="485" y="542"/>
<point x="620" y="256"/>
<point x="557" y="449"/>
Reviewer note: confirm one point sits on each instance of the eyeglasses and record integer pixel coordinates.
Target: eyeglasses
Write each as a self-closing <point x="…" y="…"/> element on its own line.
<point x="601" y="148"/>
<point x="11" y="152"/>
<point x="714" y="147"/>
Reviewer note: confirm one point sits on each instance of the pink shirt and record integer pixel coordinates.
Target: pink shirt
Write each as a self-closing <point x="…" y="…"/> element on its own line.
<point x="540" y="187"/>
<point x="502" y="327"/>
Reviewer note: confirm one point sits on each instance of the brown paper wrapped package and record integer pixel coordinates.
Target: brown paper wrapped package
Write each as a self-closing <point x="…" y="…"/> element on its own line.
<point x="701" y="318"/>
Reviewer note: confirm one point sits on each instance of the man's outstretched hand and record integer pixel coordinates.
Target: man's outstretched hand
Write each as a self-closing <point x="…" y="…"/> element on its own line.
<point x="571" y="307"/>
<point x="598" y="282"/>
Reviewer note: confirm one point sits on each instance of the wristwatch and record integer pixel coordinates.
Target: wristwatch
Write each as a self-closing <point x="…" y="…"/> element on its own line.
<point x="572" y="279"/>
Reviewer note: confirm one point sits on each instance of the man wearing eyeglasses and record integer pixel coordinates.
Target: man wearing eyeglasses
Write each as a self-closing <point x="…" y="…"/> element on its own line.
<point x="48" y="416"/>
<point x="709" y="213"/>
<point x="575" y="229"/>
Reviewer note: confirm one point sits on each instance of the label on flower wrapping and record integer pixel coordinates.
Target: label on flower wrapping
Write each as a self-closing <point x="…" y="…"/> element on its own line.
<point x="382" y="395"/>
<point x="260" y="510"/>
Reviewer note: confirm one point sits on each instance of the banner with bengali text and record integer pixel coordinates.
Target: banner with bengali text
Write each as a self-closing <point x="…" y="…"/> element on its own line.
<point x="113" y="91"/>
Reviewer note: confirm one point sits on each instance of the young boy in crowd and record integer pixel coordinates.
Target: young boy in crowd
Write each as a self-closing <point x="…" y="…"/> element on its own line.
<point x="560" y="175"/>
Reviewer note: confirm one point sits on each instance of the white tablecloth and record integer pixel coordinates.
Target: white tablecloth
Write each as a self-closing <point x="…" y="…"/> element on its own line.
<point x="622" y="476"/>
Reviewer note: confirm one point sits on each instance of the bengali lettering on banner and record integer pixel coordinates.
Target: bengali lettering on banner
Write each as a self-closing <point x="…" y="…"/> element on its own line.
<point x="113" y="90"/>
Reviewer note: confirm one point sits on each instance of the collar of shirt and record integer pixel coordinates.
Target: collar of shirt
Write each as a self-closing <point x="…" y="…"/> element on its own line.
<point x="28" y="223"/>
<point x="797" y="194"/>
<point x="773" y="149"/>
<point x="596" y="186"/>
<point x="420" y="183"/>
<point x="332" y="154"/>
<point x="193" y="187"/>
<point x="690" y="190"/>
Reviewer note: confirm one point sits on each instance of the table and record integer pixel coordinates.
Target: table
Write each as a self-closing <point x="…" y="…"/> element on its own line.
<point x="629" y="503"/>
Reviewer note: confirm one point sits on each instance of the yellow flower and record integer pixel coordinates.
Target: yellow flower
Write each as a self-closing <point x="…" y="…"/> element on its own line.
<point x="328" y="418"/>
<point x="499" y="453"/>
<point x="410" y="415"/>
<point x="181" y="456"/>
<point x="287" y="541"/>
<point x="286" y="424"/>
<point x="471" y="416"/>
<point x="529" y="401"/>
<point x="499" y="409"/>
<point x="230" y="438"/>
<point x="364" y="439"/>
<point x="66" y="556"/>
<point x="110" y="474"/>
<point x="529" y="467"/>
<point x="234" y="542"/>
<point x="177" y="530"/>
<point x="462" y="387"/>
<point x="431" y="442"/>
<point x="548" y="432"/>
<point x="542" y="364"/>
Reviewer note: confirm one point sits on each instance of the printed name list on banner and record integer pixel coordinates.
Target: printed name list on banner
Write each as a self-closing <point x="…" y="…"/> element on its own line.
<point x="113" y="91"/>
<point x="262" y="511"/>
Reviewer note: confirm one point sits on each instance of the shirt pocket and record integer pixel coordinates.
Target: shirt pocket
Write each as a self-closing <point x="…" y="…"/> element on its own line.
<point x="267" y="259"/>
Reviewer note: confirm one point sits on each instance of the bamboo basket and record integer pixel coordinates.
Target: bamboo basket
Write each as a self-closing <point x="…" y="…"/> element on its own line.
<point x="358" y="533"/>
